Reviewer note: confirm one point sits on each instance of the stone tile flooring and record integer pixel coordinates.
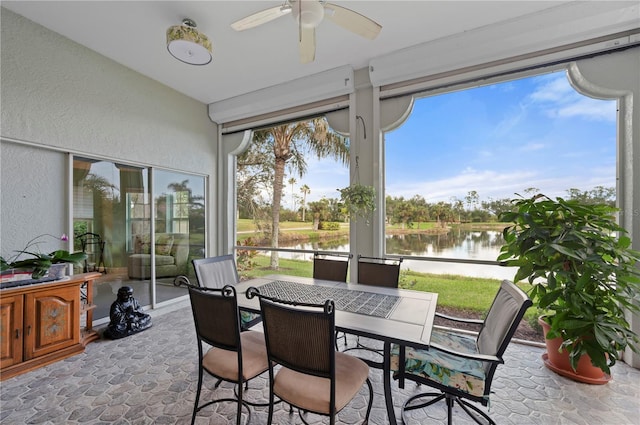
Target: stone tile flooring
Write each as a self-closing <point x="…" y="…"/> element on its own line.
<point x="150" y="378"/>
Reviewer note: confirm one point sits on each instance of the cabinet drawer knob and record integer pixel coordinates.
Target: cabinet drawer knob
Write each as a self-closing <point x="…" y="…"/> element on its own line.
<point x="17" y="333"/>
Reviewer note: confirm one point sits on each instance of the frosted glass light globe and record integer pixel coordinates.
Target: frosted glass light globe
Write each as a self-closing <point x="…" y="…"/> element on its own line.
<point x="309" y="13"/>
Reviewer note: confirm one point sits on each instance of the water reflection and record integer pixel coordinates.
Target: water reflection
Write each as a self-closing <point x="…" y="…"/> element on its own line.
<point x="456" y="244"/>
<point x="463" y="244"/>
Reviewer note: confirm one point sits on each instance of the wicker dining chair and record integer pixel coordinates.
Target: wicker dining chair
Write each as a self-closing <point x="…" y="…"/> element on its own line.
<point x="331" y="266"/>
<point x="234" y="356"/>
<point x="312" y="376"/>
<point x="459" y="366"/>
<point x="379" y="271"/>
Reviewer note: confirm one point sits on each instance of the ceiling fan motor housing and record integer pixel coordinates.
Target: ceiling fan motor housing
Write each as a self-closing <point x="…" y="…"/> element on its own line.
<point x="309" y="13"/>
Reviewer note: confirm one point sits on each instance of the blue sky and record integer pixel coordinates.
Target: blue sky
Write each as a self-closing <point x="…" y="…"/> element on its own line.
<point x="497" y="140"/>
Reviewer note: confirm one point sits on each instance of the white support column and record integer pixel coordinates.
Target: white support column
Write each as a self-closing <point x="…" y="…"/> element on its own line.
<point x="615" y="76"/>
<point x="364" y="156"/>
<point x="230" y="146"/>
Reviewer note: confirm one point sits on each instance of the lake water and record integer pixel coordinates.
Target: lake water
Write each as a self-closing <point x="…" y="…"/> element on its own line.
<point x="457" y="244"/>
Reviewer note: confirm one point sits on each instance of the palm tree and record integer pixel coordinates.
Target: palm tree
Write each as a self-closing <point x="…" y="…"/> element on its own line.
<point x="292" y="181"/>
<point x="472" y="199"/>
<point x="305" y="191"/>
<point x="289" y="144"/>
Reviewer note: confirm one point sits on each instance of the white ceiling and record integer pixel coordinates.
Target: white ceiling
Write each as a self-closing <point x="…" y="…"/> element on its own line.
<point x="133" y="34"/>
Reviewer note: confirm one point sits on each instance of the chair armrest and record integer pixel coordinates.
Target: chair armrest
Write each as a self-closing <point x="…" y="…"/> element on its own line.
<point x="473" y="356"/>
<point x="183" y="280"/>
<point x="460" y="319"/>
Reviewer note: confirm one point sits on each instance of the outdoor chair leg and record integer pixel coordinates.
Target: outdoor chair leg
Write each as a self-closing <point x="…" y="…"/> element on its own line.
<point x="470" y="409"/>
<point x="466" y="406"/>
<point x="449" y="410"/>
<point x="407" y="404"/>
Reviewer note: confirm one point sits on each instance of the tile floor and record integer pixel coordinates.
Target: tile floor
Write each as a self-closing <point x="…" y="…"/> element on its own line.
<point x="150" y="378"/>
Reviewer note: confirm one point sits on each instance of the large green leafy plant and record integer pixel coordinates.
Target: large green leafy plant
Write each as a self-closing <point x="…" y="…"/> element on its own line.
<point x="582" y="270"/>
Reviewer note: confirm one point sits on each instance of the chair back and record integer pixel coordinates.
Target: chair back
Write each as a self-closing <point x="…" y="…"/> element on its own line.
<point x="502" y="320"/>
<point x="330" y="268"/>
<point x="300" y="337"/>
<point x="216" y="272"/>
<point x="379" y="271"/>
<point x="215" y="314"/>
<point x="89" y="239"/>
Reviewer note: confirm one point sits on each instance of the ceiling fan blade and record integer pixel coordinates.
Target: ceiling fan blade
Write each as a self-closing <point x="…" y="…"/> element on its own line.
<point x="307" y="44"/>
<point x="261" y="17"/>
<point x="352" y="21"/>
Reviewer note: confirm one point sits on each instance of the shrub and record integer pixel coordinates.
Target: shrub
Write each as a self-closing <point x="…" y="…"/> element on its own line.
<point x="328" y="225"/>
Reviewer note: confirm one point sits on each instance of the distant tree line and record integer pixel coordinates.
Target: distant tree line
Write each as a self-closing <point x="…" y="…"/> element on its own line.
<point x="408" y="213"/>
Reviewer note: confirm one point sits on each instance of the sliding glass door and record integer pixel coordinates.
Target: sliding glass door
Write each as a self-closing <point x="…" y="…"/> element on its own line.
<point x="147" y="233"/>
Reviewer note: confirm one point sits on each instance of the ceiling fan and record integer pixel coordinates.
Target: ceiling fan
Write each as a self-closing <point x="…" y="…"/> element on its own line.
<point x="309" y="14"/>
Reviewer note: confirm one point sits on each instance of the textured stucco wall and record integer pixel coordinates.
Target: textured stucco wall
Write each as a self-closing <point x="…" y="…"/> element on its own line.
<point x="56" y="93"/>
<point x="33" y="203"/>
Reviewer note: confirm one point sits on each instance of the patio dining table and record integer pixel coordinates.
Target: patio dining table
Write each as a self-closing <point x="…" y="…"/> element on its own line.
<point x="390" y="315"/>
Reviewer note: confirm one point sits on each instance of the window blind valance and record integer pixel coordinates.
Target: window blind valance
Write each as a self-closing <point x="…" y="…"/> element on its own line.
<point x="564" y="33"/>
<point x="287" y="98"/>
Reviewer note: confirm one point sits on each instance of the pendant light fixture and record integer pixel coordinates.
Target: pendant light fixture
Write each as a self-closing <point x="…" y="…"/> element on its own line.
<point x="189" y="45"/>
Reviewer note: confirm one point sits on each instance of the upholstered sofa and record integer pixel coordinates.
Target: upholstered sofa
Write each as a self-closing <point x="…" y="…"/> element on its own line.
<point x="172" y="255"/>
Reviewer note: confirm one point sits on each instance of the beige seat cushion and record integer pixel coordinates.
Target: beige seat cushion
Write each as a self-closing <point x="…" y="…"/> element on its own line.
<point x="224" y="363"/>
<point x="140" y="260"/>
<point x="312" y="393"/>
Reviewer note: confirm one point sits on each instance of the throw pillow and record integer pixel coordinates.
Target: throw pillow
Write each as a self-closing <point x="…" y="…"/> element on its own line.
<point x="143" y="244"/>
<point x="164" y="243"/>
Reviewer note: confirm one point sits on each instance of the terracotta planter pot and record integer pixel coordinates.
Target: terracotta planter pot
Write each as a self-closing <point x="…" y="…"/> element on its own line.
<point x="559" y="362"/>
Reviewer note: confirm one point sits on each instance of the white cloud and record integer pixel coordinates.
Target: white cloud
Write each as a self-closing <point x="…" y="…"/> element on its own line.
<point x="500" y="185"/>
<point x="588" y="108"/>
<point x="558" y="99"/>
<point x="506" y="125"/>
<point x="488" y="184"/>
<point x="529" y="147"/>
<point x="554" y="90"/>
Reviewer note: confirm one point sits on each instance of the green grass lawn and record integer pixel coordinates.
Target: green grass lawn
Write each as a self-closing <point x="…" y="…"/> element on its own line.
<point x="290" y="267"/>
<point x="247" y="225"/>
<point x="291" y="231"/>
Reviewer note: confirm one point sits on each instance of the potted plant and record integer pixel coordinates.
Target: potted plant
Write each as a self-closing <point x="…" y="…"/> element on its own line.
<point x="359" y="200"/>
<point x="38" y="263"/>
<point x="583" y="275"/>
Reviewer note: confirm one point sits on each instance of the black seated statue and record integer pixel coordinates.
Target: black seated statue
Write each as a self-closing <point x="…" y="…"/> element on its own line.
<point x="127" y="316"/>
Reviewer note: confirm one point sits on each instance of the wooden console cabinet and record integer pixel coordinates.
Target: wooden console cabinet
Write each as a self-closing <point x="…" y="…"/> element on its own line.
<point x="41" y="323"/>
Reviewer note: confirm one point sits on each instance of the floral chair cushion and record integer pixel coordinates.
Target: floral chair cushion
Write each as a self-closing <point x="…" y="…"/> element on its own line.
<point x="247" y="318"/>
<point x="453" y="371"/>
